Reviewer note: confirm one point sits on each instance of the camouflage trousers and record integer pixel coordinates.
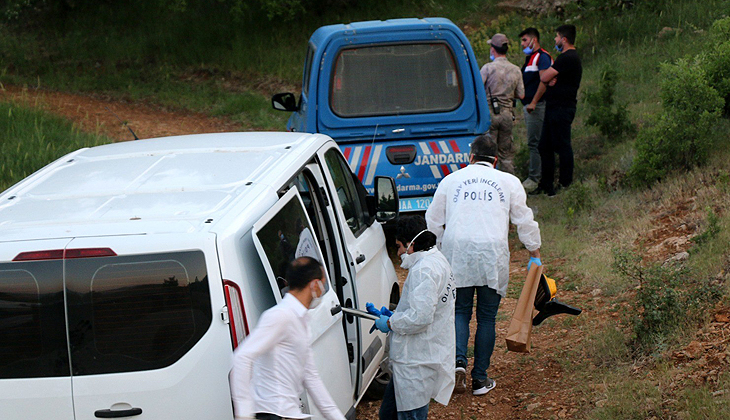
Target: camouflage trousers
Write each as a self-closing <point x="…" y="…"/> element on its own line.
<point x="501" y="131"/>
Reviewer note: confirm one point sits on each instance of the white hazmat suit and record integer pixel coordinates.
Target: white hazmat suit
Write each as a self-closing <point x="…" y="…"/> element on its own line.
<point x="470" y="215"/>
<point x="422" y="340"/>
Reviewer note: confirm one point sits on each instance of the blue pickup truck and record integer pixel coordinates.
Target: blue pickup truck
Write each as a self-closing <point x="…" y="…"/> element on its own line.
<point x="402" y="98"/>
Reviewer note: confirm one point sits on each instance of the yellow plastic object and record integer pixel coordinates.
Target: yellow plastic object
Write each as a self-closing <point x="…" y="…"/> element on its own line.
<point x="552" y="286"/>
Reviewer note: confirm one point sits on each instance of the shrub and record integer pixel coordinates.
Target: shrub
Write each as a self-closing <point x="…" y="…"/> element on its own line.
<point x="578" y="198"/>
<point x="682" y="136"/>
<point x="611" y="119"/>
<point x="716" y="65"/>
<point x="668" y="297"/>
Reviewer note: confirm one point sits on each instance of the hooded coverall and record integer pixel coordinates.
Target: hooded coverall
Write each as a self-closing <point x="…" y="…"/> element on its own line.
<point x="422" y="337"/>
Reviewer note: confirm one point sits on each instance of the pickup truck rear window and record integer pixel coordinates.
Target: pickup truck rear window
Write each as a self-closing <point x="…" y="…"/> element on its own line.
<point x="394" y="80"/>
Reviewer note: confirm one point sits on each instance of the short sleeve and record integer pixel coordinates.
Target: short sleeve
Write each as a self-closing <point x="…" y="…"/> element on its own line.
<point x="544" y="62"/>
<point x="562" y="63"/>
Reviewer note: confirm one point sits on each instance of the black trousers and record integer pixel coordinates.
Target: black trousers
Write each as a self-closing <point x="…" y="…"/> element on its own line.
<point x="267" y="416"/>
<point x="556" y="139"/>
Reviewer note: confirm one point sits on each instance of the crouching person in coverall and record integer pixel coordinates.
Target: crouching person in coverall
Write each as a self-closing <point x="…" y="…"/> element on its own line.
<point x="421" y="330"/>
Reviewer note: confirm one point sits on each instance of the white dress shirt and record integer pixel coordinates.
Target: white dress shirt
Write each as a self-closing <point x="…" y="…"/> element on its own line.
<point x="273" y="366"/>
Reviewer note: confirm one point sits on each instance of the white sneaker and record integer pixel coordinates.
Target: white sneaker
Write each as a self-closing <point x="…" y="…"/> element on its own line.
<point x="529" y="184"/>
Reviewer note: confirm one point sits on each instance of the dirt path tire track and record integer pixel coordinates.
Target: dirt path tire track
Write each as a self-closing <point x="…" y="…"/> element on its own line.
<point x="90" y="114"/>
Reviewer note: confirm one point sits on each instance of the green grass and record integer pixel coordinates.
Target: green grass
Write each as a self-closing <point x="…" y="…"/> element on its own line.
<point x="33" y="138"/>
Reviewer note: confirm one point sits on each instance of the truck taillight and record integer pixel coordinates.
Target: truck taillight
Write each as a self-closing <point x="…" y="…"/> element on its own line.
<point x="401" y="155"/>
<point x="59" y="254"/>
<point x="236" y="313"/>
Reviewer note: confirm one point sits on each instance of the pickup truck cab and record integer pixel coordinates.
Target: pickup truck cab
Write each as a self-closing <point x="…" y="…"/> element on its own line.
<point x="402" y="98"/>
<point x="129" y="272"/>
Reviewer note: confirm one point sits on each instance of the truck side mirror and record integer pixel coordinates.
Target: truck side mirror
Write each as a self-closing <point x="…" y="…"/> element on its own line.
<point x="387" y="195"/>
<point x="284" y="102"/>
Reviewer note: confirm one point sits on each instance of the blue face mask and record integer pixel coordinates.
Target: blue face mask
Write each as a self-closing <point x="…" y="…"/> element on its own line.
<point x="559" y="49"/>
<point x="491" y="57"/>
<point x="528" y="50"/>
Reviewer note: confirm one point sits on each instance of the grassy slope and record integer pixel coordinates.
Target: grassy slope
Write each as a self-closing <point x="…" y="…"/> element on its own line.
<point x="583" y="237"/>
<point x="32" y="138"/>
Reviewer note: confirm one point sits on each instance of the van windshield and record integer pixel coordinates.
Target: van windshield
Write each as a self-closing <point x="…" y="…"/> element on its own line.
<point x="394" y="80"/>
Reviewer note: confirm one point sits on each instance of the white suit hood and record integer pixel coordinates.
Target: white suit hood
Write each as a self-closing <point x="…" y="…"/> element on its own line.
<point x="470" y="215"/>
<point x="422" y="343"/>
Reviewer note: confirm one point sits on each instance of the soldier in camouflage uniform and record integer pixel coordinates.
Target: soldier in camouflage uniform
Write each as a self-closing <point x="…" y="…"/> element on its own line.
<point x="503" y="83"/>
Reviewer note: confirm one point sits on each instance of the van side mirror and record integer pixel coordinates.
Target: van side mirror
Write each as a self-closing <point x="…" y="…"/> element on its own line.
<point x="284" y="102"/>
<point x="387" y="195"/>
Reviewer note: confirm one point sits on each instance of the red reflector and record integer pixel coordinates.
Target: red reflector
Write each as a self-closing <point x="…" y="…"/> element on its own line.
<point x="402" y="149"/>
<point x="53" y="254"/>
<point x="59" y="254"/>
<point x="90" y="253"/>
<point x="236" y="313"/>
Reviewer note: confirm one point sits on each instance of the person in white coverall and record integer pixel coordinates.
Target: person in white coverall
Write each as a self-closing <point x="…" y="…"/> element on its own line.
<point x="421" y="330"/>
<point x="470" y="215"/>
<point x="274" y="365"/>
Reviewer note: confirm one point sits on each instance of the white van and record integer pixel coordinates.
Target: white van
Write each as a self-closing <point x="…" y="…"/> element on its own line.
<point x="129" y="272"/>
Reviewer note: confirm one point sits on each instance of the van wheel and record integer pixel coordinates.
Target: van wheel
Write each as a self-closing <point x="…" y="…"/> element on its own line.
<point x="376" y="390"/>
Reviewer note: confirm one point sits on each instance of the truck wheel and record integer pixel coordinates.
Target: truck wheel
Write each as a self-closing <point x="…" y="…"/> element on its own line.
<point x="376" y="390"/>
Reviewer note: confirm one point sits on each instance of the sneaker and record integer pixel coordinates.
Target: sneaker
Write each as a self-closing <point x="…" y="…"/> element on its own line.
<point x="482" y="387"/>
<point x="460" y="377"/>
<point x="529" y="185"/>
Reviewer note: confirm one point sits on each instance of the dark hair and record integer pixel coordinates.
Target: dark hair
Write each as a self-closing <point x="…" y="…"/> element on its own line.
<point x="484" y="148"/>
<point x="407" y="227"/>
<point x="533" y="32"/>
<point x="567" y="31"/>
<point x="301" y="271"/>
<point x="501" y="50"/>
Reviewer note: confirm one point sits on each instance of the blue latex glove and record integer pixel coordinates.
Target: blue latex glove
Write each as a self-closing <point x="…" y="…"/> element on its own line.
<point x="382" y="324"/>
<point x="533" y="260"/>
<point x="372" y="310"/>
<point x="386" y="311"/>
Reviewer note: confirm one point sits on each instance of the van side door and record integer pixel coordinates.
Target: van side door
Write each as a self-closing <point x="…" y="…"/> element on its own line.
<point x="369" y="263"/>
<point x="35" y="377"/>
<point x="281" y="235"/>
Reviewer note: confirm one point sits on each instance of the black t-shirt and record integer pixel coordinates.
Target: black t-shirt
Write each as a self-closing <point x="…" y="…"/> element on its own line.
<point x="565" y="90"/>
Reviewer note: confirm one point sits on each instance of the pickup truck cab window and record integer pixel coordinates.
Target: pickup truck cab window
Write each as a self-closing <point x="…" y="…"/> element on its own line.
<point x="395" y="80"/>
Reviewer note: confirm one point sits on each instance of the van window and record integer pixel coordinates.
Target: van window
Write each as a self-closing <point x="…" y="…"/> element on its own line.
<point x="395" y="80"/>
<point x="134" y="313"/>
<point x="287" y="236"/>
<point x="352" y="208"/>
<point x="32" y="320"/>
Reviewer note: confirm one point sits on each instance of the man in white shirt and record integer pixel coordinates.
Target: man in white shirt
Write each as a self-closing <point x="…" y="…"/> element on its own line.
<point x="274" y="365"/>
<point x="470" y="215"/>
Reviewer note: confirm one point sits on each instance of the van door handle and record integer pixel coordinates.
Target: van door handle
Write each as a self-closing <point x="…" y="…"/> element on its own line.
<point x="360" y="259"/>
<point x="113" y="414"/>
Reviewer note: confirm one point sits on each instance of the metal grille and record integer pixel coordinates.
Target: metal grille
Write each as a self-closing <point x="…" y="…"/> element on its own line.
<point x="395" y="80"/>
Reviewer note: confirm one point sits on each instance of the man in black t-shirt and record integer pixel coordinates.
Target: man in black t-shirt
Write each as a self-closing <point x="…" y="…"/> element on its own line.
<point x="563" y="81"/>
